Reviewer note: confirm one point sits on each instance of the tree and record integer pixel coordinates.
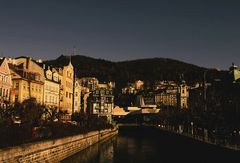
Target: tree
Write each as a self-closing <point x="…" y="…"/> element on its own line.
<point x="32" y="112"/>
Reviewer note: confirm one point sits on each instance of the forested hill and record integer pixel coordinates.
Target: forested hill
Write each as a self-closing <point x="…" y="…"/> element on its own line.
<point x="148" y="70"/>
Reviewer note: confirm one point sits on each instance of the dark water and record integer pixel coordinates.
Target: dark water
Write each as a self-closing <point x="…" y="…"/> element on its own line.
<point x="150" y="145"/>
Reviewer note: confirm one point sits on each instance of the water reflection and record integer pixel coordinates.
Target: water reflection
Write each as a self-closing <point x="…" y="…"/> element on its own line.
<point x="102" y="152"/>
<point x="151" y="146"/>
<point x="118" y="149"/>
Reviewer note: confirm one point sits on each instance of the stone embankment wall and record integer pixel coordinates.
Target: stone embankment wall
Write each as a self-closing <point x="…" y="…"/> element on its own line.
<point x="54" y="150"/>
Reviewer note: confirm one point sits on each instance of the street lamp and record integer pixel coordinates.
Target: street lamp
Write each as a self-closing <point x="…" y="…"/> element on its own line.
<point x="192" y="128"/>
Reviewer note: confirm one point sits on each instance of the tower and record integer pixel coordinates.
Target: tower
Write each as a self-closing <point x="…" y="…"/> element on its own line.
<point x="182" y="94"/>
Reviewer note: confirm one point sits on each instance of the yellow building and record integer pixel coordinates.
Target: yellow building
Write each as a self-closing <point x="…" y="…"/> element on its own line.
<point x="25" y="86"/>
<point x="27" y="79"/>
<point x="5" y="82"/>
<point x="173" y="95"/>
<point x="77" y="97"/>
<point x="66" y="76"/>
<point x="51" y="87"/>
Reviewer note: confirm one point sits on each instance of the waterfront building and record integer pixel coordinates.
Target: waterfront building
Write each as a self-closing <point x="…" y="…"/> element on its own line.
<point x="27" y="79"/>
<point x="51" y="87"/>
<point x="101" y="103"/>
<point x="66" y="76"/>
<point x="5" y="83"/>
<point x="165" y="94"/>
<point x="77" y="96"/>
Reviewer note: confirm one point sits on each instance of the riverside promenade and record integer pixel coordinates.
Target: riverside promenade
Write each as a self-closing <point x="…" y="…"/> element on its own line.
<point x="54" y="150"/>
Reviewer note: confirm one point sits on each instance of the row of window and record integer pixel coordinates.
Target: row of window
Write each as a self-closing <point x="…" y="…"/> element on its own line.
<point x="103" y="92"/>
<point x="3" y="79"/>
<point x="51" y="99"/>
<point x="68" y="95"/>
<point x="103" y="98"/>
<point x="50" y="88"/>
<point x="33" y="88"/>
<point x="4" y="92"/>
<point x="51" y="76"/>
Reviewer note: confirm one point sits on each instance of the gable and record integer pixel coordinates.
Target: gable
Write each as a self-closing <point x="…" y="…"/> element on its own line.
<point x="4" y="69"/>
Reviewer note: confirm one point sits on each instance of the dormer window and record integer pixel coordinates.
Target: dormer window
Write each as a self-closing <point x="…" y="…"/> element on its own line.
<point x="49" y="74"/>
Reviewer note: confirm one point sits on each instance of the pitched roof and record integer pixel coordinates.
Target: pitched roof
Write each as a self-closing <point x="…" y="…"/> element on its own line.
<point x="1" y="60"/>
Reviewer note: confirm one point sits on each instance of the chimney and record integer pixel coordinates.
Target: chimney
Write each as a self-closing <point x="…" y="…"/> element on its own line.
<point x="29" y="59"/>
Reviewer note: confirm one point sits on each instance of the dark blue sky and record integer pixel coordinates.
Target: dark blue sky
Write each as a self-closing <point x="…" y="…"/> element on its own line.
<point x="202" y="32"/>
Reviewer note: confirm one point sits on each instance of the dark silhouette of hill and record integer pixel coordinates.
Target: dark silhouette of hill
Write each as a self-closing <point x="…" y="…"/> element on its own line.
<point x="148" y="70"/>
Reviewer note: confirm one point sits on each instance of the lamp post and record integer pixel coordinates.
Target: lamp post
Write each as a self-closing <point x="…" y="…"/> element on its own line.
<point x="192" y="128"/>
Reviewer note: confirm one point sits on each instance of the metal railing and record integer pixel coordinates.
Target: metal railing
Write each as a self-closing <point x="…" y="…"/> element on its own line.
<point x="227" y="142"/>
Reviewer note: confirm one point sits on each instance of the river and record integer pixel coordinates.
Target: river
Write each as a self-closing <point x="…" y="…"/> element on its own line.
<point x="151" y="145"/>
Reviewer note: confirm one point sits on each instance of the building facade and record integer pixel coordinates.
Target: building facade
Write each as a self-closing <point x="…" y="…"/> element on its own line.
<point x="101" y="103"/>
<point x="77" y="97"/>
<point x="27" y="80"/>
<point x="166" y="94"/>
<point x="51" y="88"/>
<point x="5" y="83"/>
<point x="66" y="76"/>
